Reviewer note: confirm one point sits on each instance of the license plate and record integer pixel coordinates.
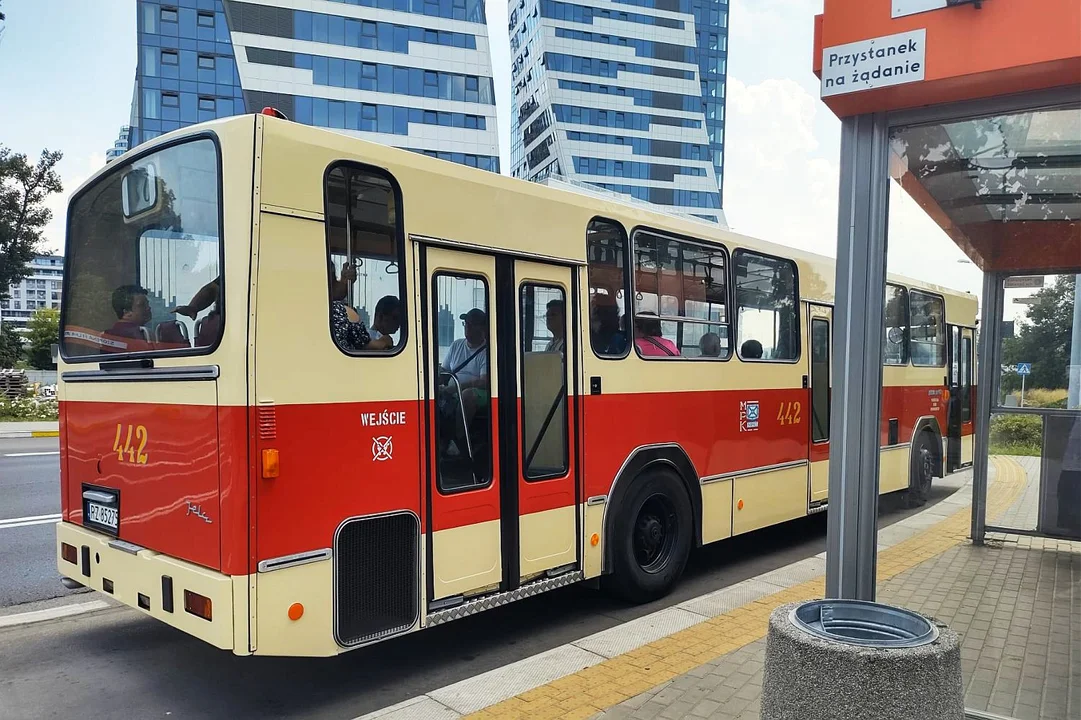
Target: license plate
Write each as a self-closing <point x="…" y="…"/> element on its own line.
<point x="101" y="509"/>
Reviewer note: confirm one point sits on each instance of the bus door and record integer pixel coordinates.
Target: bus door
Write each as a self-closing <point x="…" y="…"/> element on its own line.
<point x="819" y="321"/>
<point x="502" y="489"/>
<point x="967" y="373"/>
<point x="462" y="373"/>
<point x="544" y="458"/>
<point x="958" y="408"/>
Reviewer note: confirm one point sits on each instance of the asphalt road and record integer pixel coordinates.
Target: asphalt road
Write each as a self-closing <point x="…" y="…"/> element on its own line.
<point x="118" y="663"/>
<point x="29" y="508"/>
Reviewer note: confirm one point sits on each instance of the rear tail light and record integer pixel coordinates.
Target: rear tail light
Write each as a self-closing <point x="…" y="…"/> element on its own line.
<point x="69" y="553"/>
<point x="197" y="605"/>
<point x="270" y="464"/>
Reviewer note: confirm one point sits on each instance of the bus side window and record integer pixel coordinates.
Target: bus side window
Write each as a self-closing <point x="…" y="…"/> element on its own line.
<point x="364" y="257"/>
<point x="896" y="326"/>
<point x="927" y="336"/>
<point x="606" y="252"/>
<point x="681" y="298"/>
<point x="767" y="321"/>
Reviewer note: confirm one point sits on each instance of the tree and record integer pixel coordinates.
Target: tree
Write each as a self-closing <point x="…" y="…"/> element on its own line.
<point x="23" y="190"/>
<point x="11" y="346"/>
<point x="1044" y="340"/>
<point x="43" y="331"/>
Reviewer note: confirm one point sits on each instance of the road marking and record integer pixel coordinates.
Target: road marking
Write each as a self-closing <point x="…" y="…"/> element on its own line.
<point x="32" y="454"/>
<point x="52" y="613"/>
<point x="10" y="523"/>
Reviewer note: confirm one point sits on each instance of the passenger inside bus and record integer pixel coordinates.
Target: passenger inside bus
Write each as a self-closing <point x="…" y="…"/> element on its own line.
<point x="710" y="345"/>
<point x="648" y="338"/>
<point x="387" y="322"/>
<point x="206" y="329"/>
<point x="751" y="350"/>
<point x="608" y="338"/>
<point x="556" y="324"/>
<point x="464" y="369"/>
<point x="132" y="310"/>
<point x="345" y="325"/>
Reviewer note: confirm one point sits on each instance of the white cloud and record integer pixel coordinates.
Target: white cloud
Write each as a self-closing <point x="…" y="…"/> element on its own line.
<point x="777" y="185"/>
<point x="73" y="173"/>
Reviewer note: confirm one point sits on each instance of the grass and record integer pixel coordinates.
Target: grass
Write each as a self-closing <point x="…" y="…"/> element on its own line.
<point x="1014" y="448"/>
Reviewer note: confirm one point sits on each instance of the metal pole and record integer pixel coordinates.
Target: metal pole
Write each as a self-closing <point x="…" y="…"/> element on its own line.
<point x="1074" y="397"/>
<point x="1022" y="391"/>
<point x="986" y="392"/>
<point x="349" y="231"/>
<point x="851" y="539"/>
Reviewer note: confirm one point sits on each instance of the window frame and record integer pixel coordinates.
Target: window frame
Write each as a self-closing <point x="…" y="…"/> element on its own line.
<point x="399" y="233"/>
<point x="795" y="309"/>
<point x="167" y="9"/>
<point x="905" y="350"/>
<point x="633" y="298"/>
<point x="433" y="316"/>
<point x="199" y="16"/>
<point x="170" y="52"/>
<point x="944" y="337"/>
<point x="201" y="58"/>
<point x="565" y="292"/>
<point x="627" y="334"/>
<point x="118" y="166"/>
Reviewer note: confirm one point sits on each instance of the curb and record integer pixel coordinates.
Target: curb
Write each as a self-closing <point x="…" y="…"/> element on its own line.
<point x="23" y="434"/>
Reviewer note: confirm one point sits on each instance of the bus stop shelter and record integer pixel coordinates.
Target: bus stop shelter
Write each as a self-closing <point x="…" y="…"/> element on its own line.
<point x="974" y="108"/>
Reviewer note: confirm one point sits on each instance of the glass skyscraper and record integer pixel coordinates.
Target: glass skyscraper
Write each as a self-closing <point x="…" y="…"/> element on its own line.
<point x="625" y="95"/>
<point x="415" y="74"/>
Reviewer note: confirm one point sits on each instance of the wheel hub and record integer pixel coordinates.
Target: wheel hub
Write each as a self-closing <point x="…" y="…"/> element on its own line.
<point x="654" y="533"/>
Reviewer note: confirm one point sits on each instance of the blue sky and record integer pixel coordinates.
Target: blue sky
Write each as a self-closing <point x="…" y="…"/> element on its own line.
<point x="66" y="73"/>
<point x="67" y="66"/>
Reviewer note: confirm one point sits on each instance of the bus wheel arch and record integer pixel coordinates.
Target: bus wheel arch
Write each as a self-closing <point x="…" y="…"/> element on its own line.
<point x="928" y="425"/>
<point x="639" y="465"/>
<point x="925" y="455"/>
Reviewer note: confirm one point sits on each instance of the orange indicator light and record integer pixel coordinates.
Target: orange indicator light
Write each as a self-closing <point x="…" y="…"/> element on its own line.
<point x="594" y="539"/>
<point x="270" y="464"/>
<point x="296" y="611"/>
<point x="739" y="505"/>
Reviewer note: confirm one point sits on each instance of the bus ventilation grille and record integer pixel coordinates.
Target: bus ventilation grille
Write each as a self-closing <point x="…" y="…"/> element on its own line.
<point x="376" y="578"/>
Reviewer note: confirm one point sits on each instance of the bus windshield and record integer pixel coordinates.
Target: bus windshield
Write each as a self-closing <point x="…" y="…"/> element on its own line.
<point x="144" y="258"/>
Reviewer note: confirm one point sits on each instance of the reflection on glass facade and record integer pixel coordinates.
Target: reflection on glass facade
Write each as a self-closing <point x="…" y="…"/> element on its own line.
<point x="410" y="73"/>
<point x="624" y="95"/>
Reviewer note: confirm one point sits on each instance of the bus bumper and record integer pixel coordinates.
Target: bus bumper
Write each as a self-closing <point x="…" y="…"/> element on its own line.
<point x="140" y="578"/>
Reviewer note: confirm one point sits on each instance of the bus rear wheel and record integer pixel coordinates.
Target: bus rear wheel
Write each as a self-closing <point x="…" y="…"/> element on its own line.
<point x="921" y="470"/>
<point x="651" y="538"/>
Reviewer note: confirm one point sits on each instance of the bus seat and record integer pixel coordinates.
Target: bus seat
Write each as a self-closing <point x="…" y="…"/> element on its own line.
<point x="172" y="332"/>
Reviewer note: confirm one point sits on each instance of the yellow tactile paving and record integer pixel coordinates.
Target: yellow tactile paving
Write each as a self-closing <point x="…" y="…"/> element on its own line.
<point x="601" y="686"/>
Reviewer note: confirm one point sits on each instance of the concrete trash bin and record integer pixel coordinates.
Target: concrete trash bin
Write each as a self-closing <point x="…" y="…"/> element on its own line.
<point x="854" y="660"/>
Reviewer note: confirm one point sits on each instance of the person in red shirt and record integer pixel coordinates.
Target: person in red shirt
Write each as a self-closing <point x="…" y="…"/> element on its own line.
<point x="132" y="310"/>
<point x="648" y="338"/>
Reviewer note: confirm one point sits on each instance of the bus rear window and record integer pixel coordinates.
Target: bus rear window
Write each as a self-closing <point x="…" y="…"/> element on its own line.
<point x="144" y="258"/>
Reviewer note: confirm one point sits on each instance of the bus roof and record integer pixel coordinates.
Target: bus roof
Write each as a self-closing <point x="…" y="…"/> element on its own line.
<point x="293" y="152"/>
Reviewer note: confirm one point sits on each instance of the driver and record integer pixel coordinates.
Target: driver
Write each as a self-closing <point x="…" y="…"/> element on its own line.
<point x="466" y="360"/>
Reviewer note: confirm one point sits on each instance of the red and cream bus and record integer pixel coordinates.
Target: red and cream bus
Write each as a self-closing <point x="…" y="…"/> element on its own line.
<point x="317" y="392"/>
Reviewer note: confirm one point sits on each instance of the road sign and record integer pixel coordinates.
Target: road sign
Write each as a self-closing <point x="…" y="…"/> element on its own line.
<point x="1024" y="368"/>
<point x="1023" y="281"/>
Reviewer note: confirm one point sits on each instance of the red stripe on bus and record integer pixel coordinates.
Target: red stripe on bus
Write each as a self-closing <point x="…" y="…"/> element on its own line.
<point x="342" y="460"/>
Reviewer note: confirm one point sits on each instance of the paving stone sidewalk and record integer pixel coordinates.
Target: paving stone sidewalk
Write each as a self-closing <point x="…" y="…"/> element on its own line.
<point x="1016" y="603"/>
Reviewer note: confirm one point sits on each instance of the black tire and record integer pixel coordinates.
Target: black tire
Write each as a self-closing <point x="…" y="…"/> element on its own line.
<point x="921" y="470"/>
<point x="651" y="538"/>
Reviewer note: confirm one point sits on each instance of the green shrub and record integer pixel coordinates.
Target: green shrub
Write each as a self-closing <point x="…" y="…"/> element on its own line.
<point x="1011" y="429"/>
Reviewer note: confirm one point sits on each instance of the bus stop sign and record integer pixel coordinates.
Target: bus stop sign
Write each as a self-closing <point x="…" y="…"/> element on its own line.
<point x="1024" y="368"/>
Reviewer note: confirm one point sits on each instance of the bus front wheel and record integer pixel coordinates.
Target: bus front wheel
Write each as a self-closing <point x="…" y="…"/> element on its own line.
<point x="652" y="538"/>
<point x="921" y="470"/>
